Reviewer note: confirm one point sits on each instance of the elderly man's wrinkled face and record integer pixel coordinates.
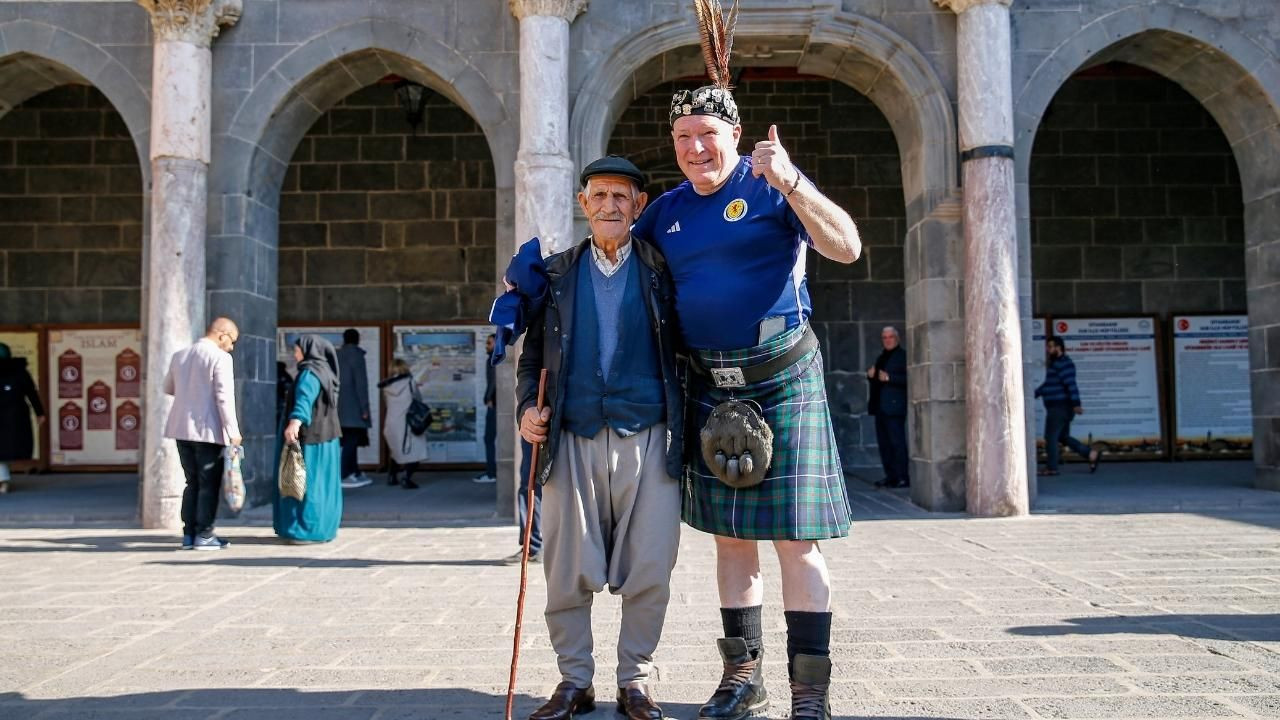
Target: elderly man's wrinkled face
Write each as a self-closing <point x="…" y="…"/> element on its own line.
<point x="889" y="339"/>
<point x="706" y="150"/>
<point x="611" y="204"/>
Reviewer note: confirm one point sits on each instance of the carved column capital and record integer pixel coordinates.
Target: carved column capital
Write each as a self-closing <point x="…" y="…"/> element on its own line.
<point x="959" y="6"/>
<point x="567" y="9"/>
<point x="195" y="21"/>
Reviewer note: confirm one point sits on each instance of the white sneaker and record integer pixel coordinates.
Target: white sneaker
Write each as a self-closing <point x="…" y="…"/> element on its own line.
<point x="352" y="482"/>
<point x="484" y="479"/>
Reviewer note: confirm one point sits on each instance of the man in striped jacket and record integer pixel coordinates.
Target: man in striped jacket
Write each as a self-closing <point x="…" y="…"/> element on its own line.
<point x="1061" y="402"/>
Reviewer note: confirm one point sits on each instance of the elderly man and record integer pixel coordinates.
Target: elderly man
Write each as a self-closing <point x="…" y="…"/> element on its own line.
<point x="887" y="402"/>
<point x="735" y="237"/>
<point x="610" y="434"/>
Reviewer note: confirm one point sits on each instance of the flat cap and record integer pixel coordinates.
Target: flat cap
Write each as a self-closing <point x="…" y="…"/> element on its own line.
<point x="614" y="165"/>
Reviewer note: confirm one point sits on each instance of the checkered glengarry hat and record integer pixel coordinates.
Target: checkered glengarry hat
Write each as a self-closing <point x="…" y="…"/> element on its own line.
<point x="706" y="100"/>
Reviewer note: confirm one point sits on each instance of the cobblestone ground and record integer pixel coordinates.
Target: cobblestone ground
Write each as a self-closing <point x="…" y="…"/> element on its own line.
<point x="1123" y="616"/>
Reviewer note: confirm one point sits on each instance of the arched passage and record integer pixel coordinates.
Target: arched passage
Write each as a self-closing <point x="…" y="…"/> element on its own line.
<point x="1236" y="81"/>
<point x="894" y="76"/>
<point x="251" y="158"/>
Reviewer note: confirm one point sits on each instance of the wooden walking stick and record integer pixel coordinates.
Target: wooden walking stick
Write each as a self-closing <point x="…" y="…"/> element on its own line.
<point x="524" y="554"/>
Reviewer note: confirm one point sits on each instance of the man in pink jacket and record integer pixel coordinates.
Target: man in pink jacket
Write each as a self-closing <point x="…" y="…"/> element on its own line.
<point x="203" y="422"/>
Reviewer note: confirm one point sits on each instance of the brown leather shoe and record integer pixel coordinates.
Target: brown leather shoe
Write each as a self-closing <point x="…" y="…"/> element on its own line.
<point x="565" y="702"/>
<point x="634" y="703"/>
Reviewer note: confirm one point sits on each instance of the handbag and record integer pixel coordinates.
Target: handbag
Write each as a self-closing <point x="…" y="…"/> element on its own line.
<point x="418" y="417"/>
<point x="293" y="472"/>
<point x="233" y="491"/>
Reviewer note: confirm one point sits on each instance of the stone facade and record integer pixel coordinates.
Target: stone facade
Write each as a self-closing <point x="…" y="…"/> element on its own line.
<point x="379" y="223"/>
<point x="1135" y="201"/>
<point x="70" y="212"/>
<point x="287" y="63"/>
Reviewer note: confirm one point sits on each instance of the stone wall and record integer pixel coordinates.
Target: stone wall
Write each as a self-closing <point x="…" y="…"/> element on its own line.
<point x="378" y="223"/>
<point x="1135" y="201"/>
<point x="70" y="212"/>
<point x="843" y="142"/>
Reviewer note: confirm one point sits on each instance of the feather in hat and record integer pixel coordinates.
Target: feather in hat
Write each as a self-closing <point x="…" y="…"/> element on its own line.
<point x="717" y="38"/>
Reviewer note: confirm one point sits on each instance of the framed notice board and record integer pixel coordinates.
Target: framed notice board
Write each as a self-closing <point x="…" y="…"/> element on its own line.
<point x="95" y="397"/>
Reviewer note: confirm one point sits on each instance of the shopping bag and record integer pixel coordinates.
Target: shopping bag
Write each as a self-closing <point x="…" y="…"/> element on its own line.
<point x="293" y="472"/>
<point x="233" y="491"/>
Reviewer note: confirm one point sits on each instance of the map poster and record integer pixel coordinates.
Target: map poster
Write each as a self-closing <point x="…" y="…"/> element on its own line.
<point x="26" y="344"/>
<point x="1213" y="408"/>
<point x="371" y="343"/>
<point x="1116" y="370"/>
<point x="448" y="363"/>
<point x="85" y="367"/>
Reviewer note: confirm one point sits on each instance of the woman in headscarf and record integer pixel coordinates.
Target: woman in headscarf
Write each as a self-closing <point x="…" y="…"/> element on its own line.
<point x="407" y="449"/>
<point x="18" y="398"/>
<point x="313" y="423"/>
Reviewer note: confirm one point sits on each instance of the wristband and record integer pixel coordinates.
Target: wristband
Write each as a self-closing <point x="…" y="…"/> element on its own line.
<point x="794" y="185"/>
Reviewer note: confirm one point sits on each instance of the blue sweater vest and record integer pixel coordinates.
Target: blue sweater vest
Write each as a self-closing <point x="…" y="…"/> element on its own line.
<point x="630" y="398"/>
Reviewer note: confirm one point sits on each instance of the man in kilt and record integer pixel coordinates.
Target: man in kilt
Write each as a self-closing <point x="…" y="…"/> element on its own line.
<point x="735" y="237"/>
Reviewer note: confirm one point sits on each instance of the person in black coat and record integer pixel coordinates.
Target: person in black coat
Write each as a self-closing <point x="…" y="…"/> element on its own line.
<point x="888" y="403"/>
<point x="18" y="397"/>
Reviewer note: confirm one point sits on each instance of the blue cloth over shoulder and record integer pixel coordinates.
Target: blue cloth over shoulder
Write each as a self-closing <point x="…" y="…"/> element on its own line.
<point x="512" y="310"/>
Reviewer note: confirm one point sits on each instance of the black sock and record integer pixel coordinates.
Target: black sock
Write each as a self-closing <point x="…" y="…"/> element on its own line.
<point x="744" y="623"/>
<point x="808" y="633"/>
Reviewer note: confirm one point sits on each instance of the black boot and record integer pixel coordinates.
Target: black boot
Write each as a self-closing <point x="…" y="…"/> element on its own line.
<point x="810" y="688"/>
<point x="408" y="483"/>
<point x="741" y="691"/>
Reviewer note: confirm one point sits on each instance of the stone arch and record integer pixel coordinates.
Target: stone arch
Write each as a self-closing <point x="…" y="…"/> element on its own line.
<point x="35" y="57"/>
<point x="899" y="80"/>
<point x="1238" y="82"/>
<point x="859" y="52"/>
<point x="294" y="93"/>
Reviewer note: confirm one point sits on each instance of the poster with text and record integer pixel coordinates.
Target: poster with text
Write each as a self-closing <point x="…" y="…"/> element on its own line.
<point x="1036" y="365"/>
<point x="371" y="343"/>
<point x="26" y="344"/>
<point x="92" y="375"/>
<point x="1213" y="408"/>
<point x="448" y="363"/>
<point x="1117" y="374"/>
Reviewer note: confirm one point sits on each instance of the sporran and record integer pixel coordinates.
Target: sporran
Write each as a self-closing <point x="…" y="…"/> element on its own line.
<point x="737" y="443"/>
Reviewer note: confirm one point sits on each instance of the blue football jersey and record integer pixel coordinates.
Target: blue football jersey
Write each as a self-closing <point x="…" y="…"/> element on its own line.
<point x="737" y="257"/>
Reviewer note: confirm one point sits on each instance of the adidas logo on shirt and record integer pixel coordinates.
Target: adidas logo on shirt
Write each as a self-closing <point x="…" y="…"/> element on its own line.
<point x="674" y="228"/>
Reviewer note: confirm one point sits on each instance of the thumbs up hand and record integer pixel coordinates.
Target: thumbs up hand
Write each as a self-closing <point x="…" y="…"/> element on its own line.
<point x="771" y="160"/>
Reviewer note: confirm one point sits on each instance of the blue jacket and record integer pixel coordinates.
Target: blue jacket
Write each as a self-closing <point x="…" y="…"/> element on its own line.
<point x="544" y="346"/>
<point x="353" y="378"/>
<point x="1059" y="387"/>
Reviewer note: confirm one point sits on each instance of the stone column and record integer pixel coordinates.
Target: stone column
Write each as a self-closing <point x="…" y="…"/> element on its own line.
<point x="996" y="466"/>
<point x="174" y="304"/>
<point x="544" y="168"/>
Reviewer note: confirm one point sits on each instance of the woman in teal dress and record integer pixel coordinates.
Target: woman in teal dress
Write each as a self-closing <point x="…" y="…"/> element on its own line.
<point x="313" y="422"/>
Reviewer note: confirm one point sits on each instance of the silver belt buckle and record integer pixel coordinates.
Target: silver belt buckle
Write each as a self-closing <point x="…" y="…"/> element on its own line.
<point x="728" y="377"/>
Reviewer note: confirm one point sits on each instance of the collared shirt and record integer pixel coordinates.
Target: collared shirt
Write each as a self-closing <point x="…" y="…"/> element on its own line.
<point x="602" y="260"/>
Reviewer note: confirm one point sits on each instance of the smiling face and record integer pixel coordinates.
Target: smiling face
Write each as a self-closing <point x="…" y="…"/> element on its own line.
<point x="611" y="203"/>
<point x="706" y="150"/>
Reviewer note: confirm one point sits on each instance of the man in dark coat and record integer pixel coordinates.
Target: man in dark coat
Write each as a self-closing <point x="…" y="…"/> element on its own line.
<point x="18" y="398"/>
<point x="888" y="403"/>
<point x="353" y="408"/>
<point x="610" y="442"/>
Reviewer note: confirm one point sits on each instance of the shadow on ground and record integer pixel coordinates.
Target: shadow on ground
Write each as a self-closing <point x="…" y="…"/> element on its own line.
<point x="288" y="704"/>
<point x="1257" y="628"/>
<point x="326" y="563"/>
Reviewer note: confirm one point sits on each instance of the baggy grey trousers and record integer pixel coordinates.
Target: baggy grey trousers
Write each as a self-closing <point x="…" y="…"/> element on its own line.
<point x="610" y="516"/>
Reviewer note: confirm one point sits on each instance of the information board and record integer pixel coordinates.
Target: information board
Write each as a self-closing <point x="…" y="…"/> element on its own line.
<point x="448" y="363"/>
<point x="1036" y="355"/>
<point x="1117" y="373"/>
<point x="26" y="344"/>
<point x="1213" y="409"/>
<point x="95" y="397"/>
<point x="371" y="343"/>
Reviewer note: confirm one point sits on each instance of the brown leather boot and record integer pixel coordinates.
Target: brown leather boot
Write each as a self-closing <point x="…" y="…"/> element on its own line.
<point x="566" y="702"/>
<point x="810" y="687"/>
<point x="741" y="692"/>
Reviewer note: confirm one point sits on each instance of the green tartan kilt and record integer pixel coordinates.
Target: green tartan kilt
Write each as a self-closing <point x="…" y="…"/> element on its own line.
<point x="803" y="496"/>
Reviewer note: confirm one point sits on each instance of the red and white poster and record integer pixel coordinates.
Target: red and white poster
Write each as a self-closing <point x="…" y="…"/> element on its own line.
<point x="1116" y="371"/>
<point x="128" y="426"/>
<point x="1213" y="414"/>
<point x="98" y="365"/>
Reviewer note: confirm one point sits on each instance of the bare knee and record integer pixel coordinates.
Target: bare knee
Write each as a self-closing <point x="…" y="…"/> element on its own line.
<point x="798" y="552"/>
